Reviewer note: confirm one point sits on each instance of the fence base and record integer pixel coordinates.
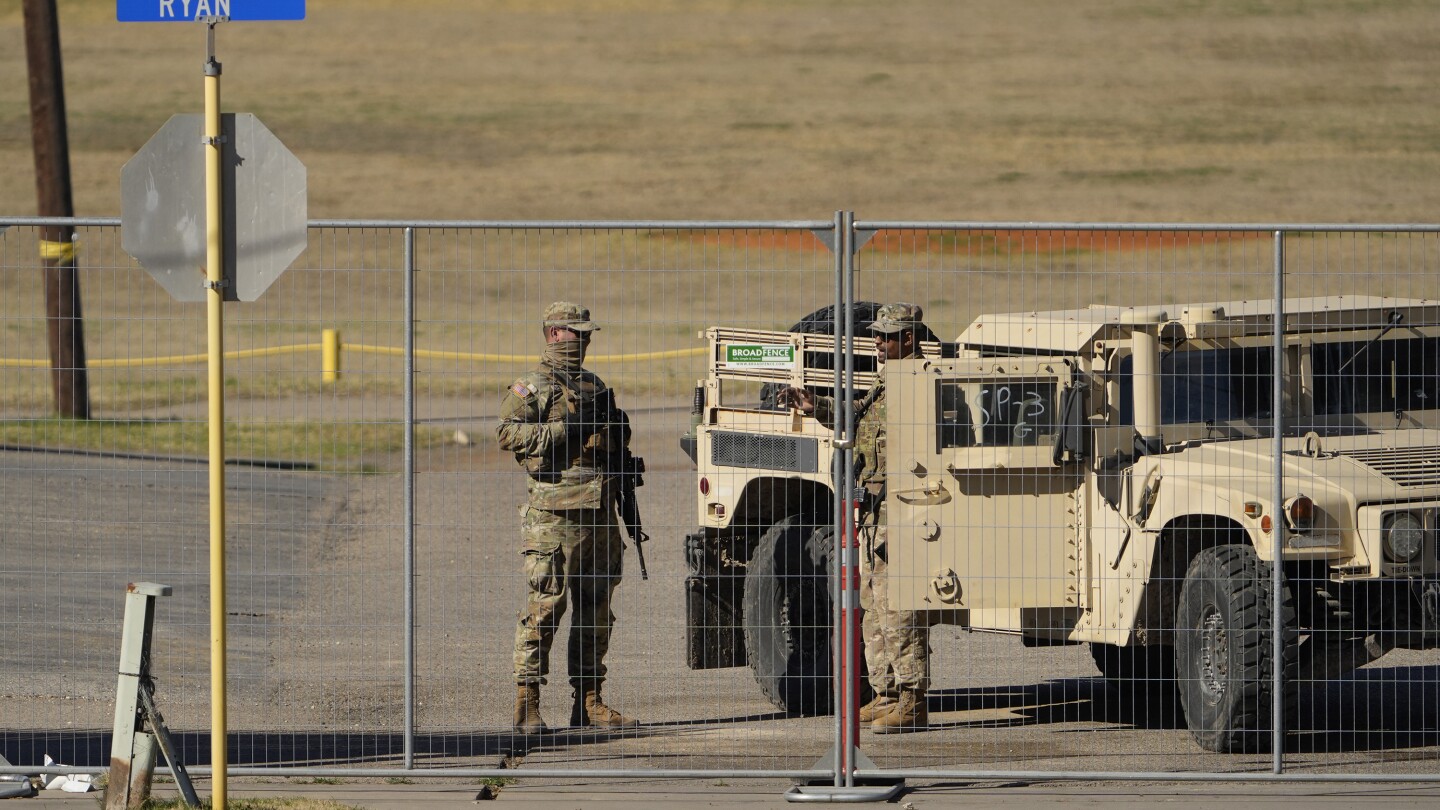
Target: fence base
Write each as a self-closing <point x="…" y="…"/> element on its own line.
<point x="870" y="789"/>
<point x="830" y="793"/>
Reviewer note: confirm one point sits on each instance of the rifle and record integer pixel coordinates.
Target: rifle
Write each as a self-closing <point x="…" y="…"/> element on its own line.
<point x="628" y="469"/>
<point x="631" y="468"/>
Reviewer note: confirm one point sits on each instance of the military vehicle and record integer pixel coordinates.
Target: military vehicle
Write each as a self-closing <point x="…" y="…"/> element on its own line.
<point x="1103" y="475"/>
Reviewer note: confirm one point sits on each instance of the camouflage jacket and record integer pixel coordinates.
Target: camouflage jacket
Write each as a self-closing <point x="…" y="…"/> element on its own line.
<point x="565" y="472"/>
<point x="870" y="416"/>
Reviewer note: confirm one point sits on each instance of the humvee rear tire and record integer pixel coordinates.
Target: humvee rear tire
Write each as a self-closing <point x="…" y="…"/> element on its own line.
<point x="1223" y="653"/>
<point x="788" y="616"/>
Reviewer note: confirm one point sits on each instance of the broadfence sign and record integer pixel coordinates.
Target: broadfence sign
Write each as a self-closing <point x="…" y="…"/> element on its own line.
<point x="760" y="356"/>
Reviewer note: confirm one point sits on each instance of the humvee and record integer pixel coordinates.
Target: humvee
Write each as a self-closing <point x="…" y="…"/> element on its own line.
<point x="1104" y="475"/>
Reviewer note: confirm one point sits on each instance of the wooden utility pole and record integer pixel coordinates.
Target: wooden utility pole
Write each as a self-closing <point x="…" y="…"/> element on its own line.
<point x="52" y="183"/>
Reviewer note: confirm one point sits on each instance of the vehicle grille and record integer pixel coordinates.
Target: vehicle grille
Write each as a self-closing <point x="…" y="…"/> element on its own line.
<point x="764" y="452"/>
<point x="1408" y="466"/>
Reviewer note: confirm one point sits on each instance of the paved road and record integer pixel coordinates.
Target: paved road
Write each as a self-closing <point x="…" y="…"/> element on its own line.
<point x="317" y="641"/>
<point x="657" y="794"/>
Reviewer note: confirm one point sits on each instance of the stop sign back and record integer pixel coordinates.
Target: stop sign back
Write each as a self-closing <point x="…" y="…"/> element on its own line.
<point x="162" y="207"/>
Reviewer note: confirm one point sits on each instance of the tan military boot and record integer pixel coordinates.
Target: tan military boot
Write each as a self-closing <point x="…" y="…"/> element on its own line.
<point x="527" y="710"/>
<point x="910" y="714"/>
<point x="593" y="712"/>
<point x="881" y="704"/>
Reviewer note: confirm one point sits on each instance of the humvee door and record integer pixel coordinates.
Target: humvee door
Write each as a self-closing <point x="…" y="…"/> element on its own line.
<point x="980" y="516"/>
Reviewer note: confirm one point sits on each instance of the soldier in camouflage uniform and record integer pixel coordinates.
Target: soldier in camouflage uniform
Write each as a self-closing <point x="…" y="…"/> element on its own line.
<point x="560" y="422"/>
<point x="897" y="649"/>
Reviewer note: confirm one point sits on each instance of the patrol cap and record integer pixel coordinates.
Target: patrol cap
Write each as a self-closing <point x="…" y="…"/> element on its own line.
<point x="897" y="318"/>
<point x="571" y="316"/>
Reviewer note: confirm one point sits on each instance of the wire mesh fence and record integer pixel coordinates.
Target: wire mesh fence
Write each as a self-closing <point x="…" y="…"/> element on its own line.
<point x="1104" y="463"/>
<point x="1073" y="499"/>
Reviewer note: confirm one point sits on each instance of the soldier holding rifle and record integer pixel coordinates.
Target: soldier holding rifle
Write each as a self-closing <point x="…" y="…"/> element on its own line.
<point x="561" y="422"/>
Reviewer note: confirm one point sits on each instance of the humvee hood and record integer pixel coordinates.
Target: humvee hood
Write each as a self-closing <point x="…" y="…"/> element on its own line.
<point x="1401" y="465"/>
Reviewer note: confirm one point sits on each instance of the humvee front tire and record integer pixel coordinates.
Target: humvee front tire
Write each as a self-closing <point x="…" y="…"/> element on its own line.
<point x="788" y="616"/>
<point x="1224" y="662"/>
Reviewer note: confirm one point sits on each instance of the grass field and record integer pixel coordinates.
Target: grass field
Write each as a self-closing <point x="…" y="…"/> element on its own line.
<point x="1150" y="110"/>
<point x="1140" y="110"/>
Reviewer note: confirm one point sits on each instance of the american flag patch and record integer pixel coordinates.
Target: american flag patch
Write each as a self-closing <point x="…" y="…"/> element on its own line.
<point x="520" y="389"/>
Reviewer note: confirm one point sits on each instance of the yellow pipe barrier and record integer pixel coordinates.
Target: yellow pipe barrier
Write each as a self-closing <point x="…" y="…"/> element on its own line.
<point x="432" y="354"/>
<point x="425" y="354"/>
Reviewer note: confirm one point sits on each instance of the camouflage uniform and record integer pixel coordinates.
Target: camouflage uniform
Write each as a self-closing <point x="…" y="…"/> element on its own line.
<point x="897" y="642"/>
<point x="571" y="541"/>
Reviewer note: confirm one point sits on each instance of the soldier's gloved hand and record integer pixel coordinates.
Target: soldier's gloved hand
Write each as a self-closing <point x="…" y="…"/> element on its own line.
<point x="578" y="427"/>
<point x="596" y="441"/>
<point x="587" y="411"/>
<point x="794" y="397"/>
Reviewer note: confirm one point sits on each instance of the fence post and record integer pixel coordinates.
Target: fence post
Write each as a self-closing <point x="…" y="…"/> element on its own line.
<point x="408" y="569"/>
<point x="1277" y="554"/>
<point x="132" y="749"/>
<point x="846" y="757"/>
<point x="847" y="704"/>
<point x="329" y="355"/>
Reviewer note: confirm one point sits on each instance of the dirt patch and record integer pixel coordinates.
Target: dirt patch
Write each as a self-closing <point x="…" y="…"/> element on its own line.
<point x="977" y="241"/>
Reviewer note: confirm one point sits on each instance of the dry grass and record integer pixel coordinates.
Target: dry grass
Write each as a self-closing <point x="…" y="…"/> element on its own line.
<point x="1148" y="110"/>
<point x="479" y="294"/>
<point x="1151" y="110"/>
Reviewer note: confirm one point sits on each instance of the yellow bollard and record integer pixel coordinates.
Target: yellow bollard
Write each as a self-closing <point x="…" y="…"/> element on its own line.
<point x="329" y="355"/>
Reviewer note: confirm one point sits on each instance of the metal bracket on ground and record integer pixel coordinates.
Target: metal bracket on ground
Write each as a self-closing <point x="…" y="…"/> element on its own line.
<point x="14" y="786"/>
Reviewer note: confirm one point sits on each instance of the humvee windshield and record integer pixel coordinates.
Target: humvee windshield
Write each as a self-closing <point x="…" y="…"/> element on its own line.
<point x="1206" y="385"/>
<point x="1383" y="376"/>
<point x="1351" y="377"/>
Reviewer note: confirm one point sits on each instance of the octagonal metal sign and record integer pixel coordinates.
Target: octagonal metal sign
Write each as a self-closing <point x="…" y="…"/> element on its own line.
<point x="162" y="207"/>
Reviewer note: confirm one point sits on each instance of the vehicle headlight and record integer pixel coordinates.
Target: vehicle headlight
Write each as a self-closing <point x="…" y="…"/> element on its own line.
<point x="1403" y="535"/>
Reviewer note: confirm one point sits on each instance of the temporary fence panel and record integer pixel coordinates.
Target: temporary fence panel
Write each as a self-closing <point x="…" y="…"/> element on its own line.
<point x="91" y="505"/>
<point x="1083" y="503"/>
<point x="486" y="612"/>
<point x="374" y="524"/>
<point x="1044" y="522"/>
<point x="1365" y="440"/>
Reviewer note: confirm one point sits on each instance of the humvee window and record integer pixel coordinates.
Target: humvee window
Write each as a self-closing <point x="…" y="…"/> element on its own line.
<point x="1384" y="376"/>
<point x="1207" y="385"/>
<point x="995" y="412"/>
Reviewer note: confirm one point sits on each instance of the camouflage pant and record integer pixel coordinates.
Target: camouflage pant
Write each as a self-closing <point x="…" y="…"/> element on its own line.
<point x="572" y="555"/>
<point x="897" y="642"/>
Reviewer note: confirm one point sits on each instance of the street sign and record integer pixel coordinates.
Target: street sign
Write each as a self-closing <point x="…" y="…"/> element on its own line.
<point x="162" y="207"/>
<point x="208" y="10"/>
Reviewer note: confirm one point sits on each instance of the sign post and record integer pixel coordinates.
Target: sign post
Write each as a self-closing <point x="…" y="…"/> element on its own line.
<point x="217" y="281"/>
<point x="215" y="331"/>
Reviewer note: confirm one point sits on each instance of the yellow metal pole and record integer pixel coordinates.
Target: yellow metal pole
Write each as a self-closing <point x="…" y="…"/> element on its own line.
<point x="329" y="355"/>
<point x="214" y="299"/>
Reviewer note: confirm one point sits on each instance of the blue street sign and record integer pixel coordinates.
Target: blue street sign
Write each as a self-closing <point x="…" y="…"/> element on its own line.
<point x="191" y="10"/>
